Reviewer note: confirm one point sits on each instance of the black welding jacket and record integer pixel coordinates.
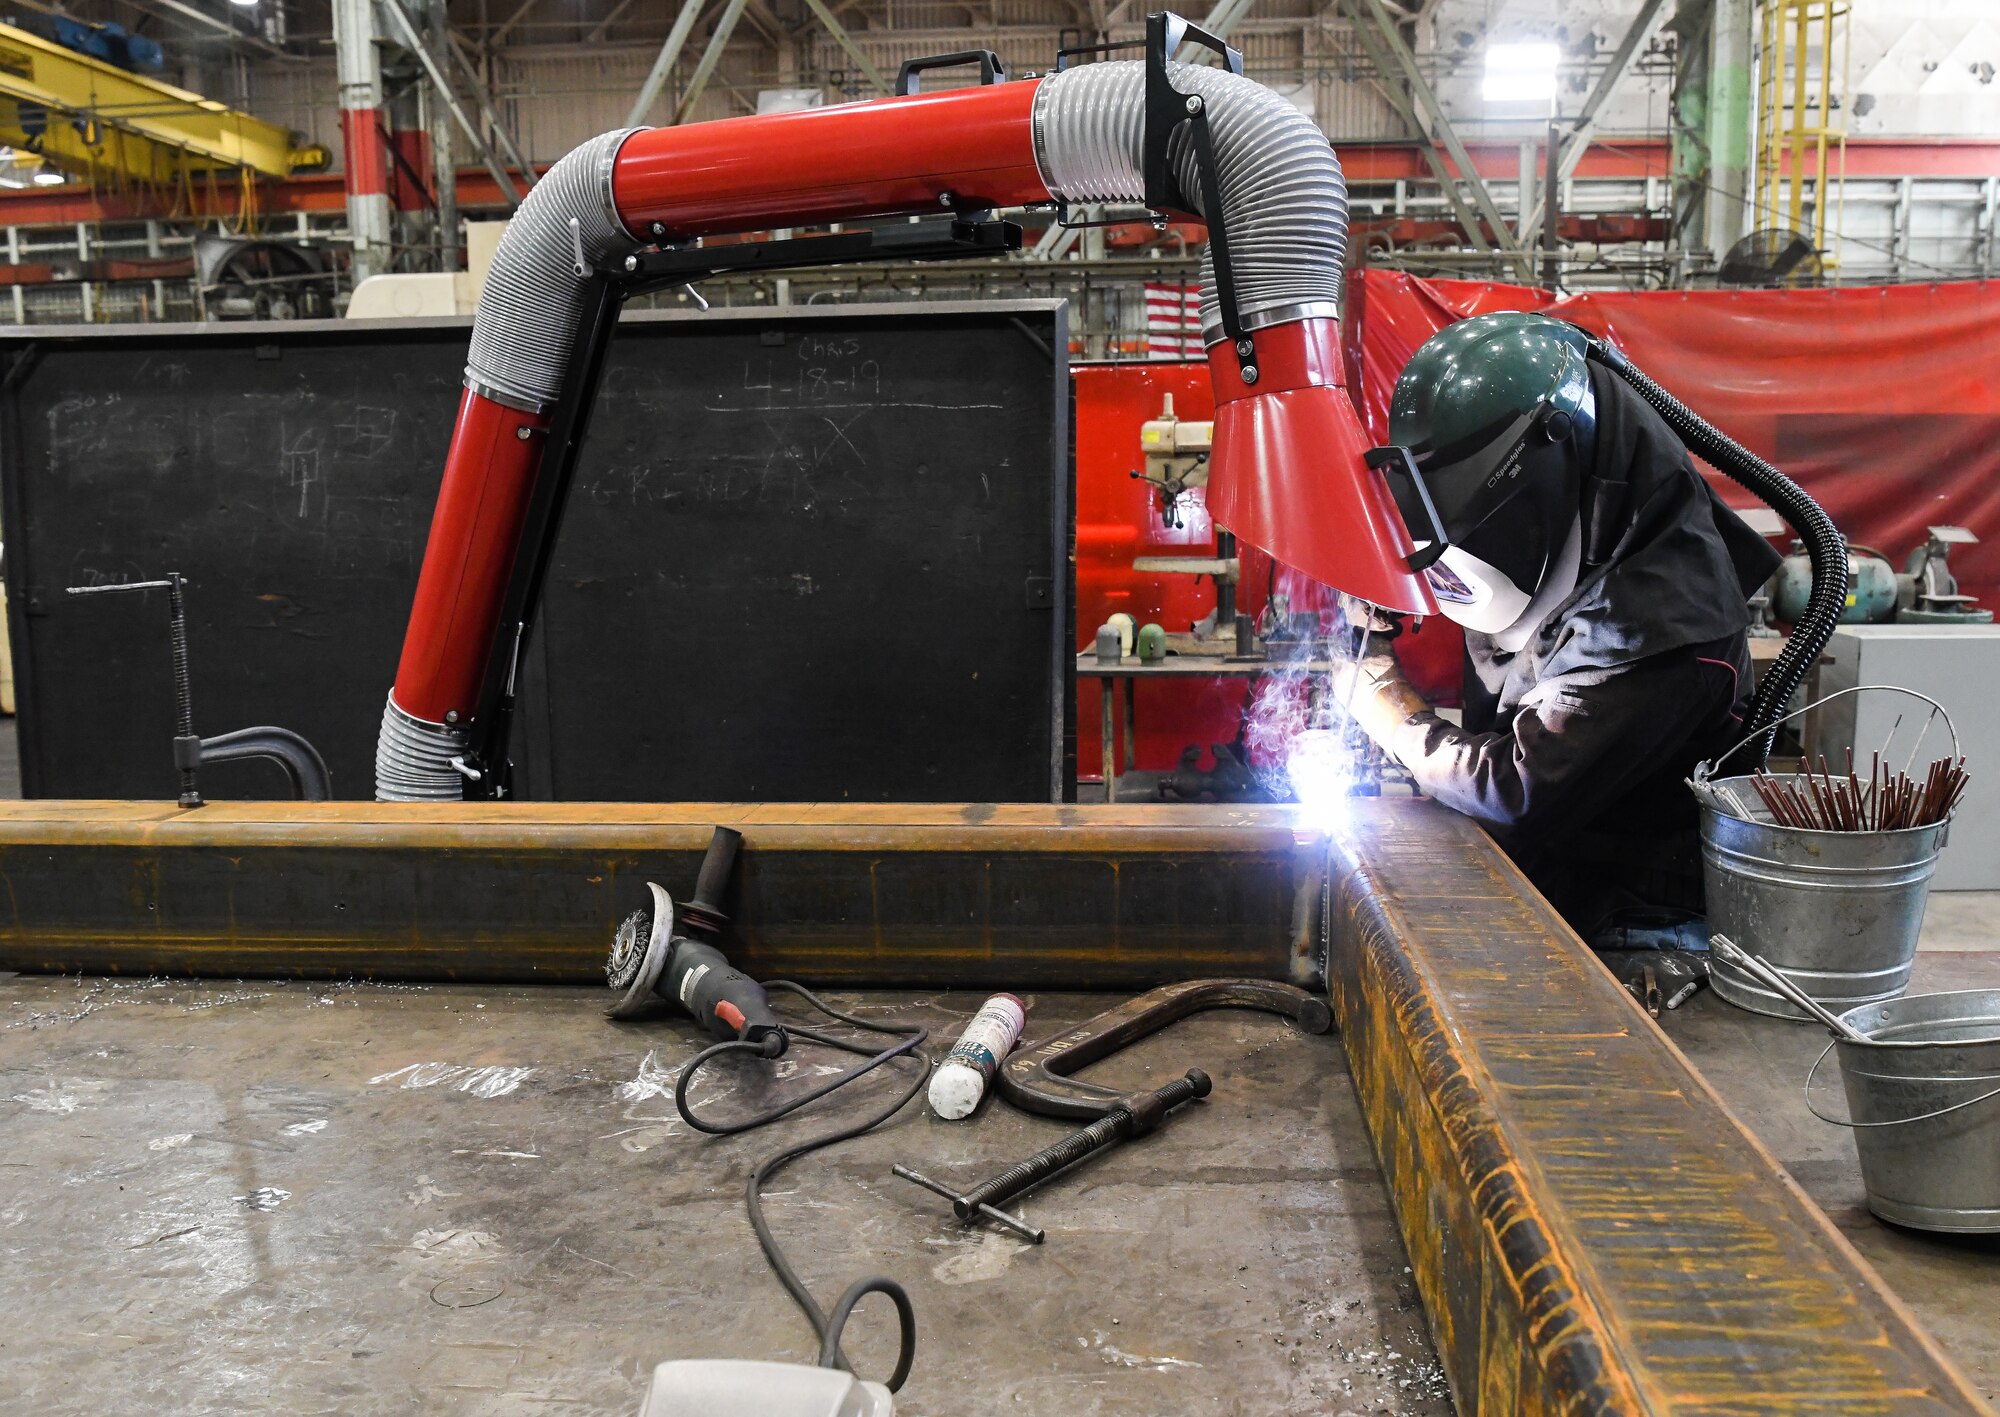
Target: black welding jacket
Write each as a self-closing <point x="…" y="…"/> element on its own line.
<point x="1575" y="750"/>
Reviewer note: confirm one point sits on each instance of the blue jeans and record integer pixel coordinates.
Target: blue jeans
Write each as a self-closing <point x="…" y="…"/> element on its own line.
<point x="1689" y="935"/>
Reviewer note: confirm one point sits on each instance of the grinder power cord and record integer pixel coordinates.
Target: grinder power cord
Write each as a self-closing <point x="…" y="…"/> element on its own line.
<point x="651" y="963"/>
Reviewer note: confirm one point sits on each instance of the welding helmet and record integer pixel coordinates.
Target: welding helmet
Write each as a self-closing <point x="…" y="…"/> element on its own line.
<point x="1497" y="413"/>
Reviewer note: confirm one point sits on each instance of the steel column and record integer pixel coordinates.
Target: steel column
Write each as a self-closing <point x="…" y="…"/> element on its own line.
<point x="670" y="54"/>
<point x="704" y="69"/>
<point x="1441" y="129"/>
<point x="1637" y="35"/>
<point x="1731" y="121"/>
<point x="1379" y="56"/>
<point x="410" y="39"/>
<point x="445" y="171"/>
<point x="846" y="41"/>
<point x="502" y="136"/>
<point x="363" y="139"/>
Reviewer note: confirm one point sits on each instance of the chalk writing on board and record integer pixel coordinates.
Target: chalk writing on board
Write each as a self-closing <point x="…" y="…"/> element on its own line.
<point x="299" y="465"/>
<point x="366" y="432"/>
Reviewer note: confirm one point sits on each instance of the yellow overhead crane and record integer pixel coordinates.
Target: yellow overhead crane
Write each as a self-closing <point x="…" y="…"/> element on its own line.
<point x="102" y="122"/>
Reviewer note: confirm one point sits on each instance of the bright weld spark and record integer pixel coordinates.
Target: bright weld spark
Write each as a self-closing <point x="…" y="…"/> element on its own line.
<point x="1314" y="749"/>
<point x="1321" y="770"/>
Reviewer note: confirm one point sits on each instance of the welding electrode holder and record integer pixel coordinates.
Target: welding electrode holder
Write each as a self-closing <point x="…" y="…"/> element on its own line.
<point x="1133" y="1116"/>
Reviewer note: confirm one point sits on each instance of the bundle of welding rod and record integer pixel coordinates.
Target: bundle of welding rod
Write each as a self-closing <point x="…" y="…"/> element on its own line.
<point x="1822" y="800"/>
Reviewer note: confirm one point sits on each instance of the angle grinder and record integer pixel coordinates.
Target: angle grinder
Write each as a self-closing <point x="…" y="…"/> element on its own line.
<point x="652" y="963"/>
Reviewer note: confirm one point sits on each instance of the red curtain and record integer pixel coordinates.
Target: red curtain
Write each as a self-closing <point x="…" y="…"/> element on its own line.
<point x="1882" y="401"/>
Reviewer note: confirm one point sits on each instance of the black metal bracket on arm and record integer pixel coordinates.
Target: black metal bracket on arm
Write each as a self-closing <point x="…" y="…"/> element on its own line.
<point x="954" y="239"/>
<point x="1167" y="111"/>
<point x="487" y="767"/>
<point x="1413" y="501"/>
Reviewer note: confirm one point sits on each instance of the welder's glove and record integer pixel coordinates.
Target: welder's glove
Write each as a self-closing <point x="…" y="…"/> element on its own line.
<point x="1376" y="693"/>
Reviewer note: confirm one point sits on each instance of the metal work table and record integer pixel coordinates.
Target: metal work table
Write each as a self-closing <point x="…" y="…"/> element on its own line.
<point x="1130" y="671"/>
<point x="482" y="1202"/>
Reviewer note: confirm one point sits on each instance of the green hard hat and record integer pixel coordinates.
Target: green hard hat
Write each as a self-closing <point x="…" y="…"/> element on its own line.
<point x="1497" y="413"/>
<point x="1473" y="379"/>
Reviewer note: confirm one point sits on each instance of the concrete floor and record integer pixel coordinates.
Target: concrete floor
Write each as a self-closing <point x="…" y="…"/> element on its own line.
<point x="1759" y="1066"/>
<point x="310" y="1199"/>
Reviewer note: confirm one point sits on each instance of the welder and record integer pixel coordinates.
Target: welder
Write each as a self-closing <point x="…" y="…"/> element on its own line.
<point x="1603" y="587"/>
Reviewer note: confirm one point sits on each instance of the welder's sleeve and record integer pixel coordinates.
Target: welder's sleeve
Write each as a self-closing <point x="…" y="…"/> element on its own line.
<point x="1569" y="751"/>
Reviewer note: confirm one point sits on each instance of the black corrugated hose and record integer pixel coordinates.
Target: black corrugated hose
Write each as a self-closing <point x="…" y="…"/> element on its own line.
<point x="1824" y="544"/>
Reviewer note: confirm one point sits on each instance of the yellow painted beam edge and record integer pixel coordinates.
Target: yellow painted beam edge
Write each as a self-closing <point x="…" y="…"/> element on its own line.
<point x="514" y="826"/>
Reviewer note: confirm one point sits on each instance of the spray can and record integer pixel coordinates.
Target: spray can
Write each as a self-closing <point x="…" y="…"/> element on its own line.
<point x="961" y="1078"/>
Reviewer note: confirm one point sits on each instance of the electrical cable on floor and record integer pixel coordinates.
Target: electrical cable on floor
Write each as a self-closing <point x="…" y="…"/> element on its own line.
<point x="827" y="1326"/>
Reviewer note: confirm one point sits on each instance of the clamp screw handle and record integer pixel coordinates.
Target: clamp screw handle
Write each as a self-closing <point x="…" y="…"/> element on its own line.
<point x="1136" y="1116"/>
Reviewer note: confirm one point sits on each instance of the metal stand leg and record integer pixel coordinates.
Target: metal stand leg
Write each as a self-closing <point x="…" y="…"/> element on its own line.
<point x="1108" y="693"/>
<point x="1131" y="719"/>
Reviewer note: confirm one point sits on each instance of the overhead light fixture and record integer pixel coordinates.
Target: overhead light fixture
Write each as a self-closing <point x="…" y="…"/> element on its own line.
<point x="1520" y="73"/>
<point x="47" y="178"/>
<point x="246" y="4"/>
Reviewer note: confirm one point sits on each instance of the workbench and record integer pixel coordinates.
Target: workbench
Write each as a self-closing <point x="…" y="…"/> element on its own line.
<point x="1130" y="670"/>
<point x="1586" y="1225"/>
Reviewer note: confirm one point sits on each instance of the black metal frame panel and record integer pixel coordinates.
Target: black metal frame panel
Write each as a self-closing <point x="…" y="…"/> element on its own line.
<point x="755" y="597"/>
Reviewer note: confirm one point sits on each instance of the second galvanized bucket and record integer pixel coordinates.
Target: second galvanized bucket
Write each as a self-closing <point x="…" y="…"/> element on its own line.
<point x="1838" y="912"/>
<point x="1923" y="1097"/>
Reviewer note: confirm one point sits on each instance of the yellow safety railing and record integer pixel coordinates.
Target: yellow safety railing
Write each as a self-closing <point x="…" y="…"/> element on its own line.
<point x="1802" y="84"/>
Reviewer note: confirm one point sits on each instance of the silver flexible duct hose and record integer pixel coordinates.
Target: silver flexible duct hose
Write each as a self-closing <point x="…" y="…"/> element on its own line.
<point x="1284" y="202"/>
<point x="413" y="759"/>
<point x="525" y="330"/>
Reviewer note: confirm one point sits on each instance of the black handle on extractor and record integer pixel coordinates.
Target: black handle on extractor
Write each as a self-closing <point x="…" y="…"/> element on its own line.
<point x="1136" y="1116"/>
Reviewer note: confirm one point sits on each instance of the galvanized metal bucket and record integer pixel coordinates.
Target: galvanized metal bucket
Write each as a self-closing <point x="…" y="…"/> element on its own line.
<point x="1838" y="912"/>
<point x="1923" y="1097"/>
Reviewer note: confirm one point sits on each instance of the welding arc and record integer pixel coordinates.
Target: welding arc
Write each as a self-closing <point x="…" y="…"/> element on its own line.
<point x="827" y="1327"/>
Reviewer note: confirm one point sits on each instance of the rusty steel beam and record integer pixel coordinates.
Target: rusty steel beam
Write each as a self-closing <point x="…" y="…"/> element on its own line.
<point x="920" y="896"/>
<point x="1592" y="1231"/>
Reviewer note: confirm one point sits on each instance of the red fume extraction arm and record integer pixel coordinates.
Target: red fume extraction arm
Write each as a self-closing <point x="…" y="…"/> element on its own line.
<point x="1288" y="472"/>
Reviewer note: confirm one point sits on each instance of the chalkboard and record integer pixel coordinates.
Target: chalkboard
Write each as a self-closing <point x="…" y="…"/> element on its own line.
<point x="816" y="555"/>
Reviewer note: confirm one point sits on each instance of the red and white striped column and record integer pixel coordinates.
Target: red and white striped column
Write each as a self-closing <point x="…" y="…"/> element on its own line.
<point x="363" y="134"/>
